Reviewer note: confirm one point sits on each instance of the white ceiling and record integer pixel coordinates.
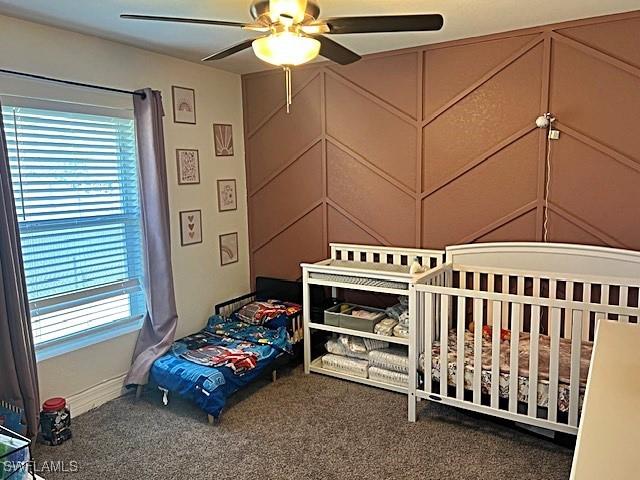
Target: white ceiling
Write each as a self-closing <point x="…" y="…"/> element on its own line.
<point x="463" y="18"/>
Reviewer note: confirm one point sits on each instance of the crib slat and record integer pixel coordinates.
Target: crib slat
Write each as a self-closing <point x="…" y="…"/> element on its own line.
<point x="505" y="310"/>
<point x="533" y="360"/>
<point x="477" y="348"/>
<point x="554" y="362"/>
<point x="569" y="297"/>
<point x="444" y="344"/>
<point x="516" y="312"/>
<point x="574" y="377"/>
<point x="476" y="280"/>
<point x="463" y="280"/>
<point x="495" y="356"/>
<point x="624" y="300"/>
<point x="553" y="288"/>
<point x="491" y="288"/>
<point x="460" y="328"/>
<point x="428" y="321"/>
<point x="586" y="298"/>
<point x="520" y="291"/>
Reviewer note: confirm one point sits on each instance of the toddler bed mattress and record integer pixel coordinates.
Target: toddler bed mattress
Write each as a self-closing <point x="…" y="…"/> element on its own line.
<point x="211" y="365"/>
<point x="544" y="347"/>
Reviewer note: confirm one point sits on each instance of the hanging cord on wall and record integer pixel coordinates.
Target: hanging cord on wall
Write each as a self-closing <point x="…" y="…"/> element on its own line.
<point x="547" y="190"/>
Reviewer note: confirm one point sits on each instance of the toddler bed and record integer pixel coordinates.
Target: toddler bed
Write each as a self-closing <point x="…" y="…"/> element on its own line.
<point x="247" y="337"/>
<point x="529" y="308"/>
<point x="211" y="365"/>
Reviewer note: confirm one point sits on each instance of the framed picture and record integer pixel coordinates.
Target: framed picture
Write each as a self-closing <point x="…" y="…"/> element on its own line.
<point x="190" y="227"/>
<point x="188" y="167"/>
<point x="223" y="139"/>
<point x="227" y="200"/>
<point x="184" y="105"/>
<point x="228" y="248"/>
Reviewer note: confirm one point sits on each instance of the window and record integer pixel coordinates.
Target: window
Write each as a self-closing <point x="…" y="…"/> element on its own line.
<point x="76" y="192"/>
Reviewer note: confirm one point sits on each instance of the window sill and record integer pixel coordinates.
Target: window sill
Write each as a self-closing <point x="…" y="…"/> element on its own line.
<point x="96" y="335"/>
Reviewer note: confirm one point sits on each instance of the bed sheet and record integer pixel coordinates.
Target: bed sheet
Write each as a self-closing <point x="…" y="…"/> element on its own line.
<point x="210" y="387"/>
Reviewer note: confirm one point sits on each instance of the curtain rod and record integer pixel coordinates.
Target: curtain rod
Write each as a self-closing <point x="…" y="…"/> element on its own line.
<point x="69" y="82"/>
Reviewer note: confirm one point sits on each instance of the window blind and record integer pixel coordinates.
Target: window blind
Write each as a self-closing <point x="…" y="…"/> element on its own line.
<point x="75" y="186"/>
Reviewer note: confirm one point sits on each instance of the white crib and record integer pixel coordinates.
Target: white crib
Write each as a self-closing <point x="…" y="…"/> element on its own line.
<point x="533" y="309"/>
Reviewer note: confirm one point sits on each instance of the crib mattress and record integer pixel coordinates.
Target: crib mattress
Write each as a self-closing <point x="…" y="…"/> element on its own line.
<point x="523" y="367"/>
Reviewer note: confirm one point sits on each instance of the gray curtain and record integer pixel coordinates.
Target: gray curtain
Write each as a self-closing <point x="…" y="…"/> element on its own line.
<point x="18" y="369"/>
<point x="159" y="328"/>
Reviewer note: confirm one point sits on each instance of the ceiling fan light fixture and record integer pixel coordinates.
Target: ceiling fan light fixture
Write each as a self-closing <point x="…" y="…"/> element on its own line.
<point x="286" y="49"/>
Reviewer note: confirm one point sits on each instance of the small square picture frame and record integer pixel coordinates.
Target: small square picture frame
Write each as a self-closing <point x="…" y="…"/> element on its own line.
<point x="227" y="195"/>
<point x="188" y="163"/>
<point x="190" y="227"/>
<point x="184" y="104"/>
<point x="223" y="139"/>
<point x="228" y="248"/>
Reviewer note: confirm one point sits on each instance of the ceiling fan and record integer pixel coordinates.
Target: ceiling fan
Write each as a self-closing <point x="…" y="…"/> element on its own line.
<point x="295" y="34"/>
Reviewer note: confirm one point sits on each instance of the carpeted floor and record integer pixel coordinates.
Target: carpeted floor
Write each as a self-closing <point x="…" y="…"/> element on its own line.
<point x="301" y="427"/>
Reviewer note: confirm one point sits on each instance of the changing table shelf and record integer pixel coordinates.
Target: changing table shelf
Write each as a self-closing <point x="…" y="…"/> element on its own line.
<point x="316" y="367"/>
<point x="358" y="333"/>
<point x="369" y="268"/>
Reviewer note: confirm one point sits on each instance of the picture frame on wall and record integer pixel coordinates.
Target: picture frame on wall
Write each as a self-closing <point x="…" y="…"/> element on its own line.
<point x="228" y="248"/>
<point x="227" y="197"/>
<point x="223" y="139"/>
<point x="190" y="227"/>
<point x="188" y="162"/>
<point x="184" y="105"/>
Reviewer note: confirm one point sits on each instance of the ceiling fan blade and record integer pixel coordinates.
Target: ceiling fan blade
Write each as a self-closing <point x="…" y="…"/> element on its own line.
<point x="385" y="23"/>
<point x="336" y="52"/>
<point x="200" y="21"/>
<point x="238" y="47"/>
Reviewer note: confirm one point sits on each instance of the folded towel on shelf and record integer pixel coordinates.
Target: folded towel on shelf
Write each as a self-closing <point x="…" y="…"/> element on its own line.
<point x="390" y="359"/>
<point x="385" y="326"/>
<point x="388" y="376"/>
<point x="401" y="331"/>
<point x="349" y="346"/>
<point x="351" y="366"/>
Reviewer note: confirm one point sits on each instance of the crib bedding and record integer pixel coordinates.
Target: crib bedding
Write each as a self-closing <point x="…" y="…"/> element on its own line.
<point x="523" y="366"/>
<point x="211" y="365"/>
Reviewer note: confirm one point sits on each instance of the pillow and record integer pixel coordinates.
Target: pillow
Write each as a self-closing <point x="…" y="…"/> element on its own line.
<point x="268" y="313"/>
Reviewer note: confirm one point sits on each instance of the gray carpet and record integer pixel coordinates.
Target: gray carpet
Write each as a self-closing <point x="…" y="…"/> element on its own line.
<point x="302" y="427"/>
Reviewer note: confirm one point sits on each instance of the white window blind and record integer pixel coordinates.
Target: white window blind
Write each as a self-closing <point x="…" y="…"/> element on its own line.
<point x="76" y="192"/>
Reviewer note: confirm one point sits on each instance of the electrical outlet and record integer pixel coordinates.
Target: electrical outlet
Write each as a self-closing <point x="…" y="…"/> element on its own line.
<point x="554" y="134"/>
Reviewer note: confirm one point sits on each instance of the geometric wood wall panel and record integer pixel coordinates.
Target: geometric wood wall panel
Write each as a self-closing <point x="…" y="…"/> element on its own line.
<point x="264" y="93"/>
<point x="436" y="145"/>
<point x="597" y="189"/>
<point x="299" y="181"/>
<point x="371" y="131"/>
<point x="398" y="86"/>
<point x="495" y="110"/>
<point x="370" y="198"/>
<point x="617" y="39"/>
<point x="520" y="229"/>
<point x="343" y="230"/>
<point x="449" y="70"/>
<point x="584" y="106"/>
<point x="564" y="231"/>
<point x="302" y="242"/>
<point x="283" y="137"/>
<point x="494" y="189"/>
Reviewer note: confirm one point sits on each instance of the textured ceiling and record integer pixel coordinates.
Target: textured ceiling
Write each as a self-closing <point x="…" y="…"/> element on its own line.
<point x="463" y="18"/>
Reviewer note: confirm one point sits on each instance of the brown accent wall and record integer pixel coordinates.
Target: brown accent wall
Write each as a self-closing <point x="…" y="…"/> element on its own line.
<point x="437" y="145"/>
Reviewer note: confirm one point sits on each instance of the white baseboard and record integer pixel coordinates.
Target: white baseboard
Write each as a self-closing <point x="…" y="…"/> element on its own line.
<point x="97" y="395"/>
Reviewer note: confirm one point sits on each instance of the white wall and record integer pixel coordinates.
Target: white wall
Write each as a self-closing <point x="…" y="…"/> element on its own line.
<point x="199" y="280"/>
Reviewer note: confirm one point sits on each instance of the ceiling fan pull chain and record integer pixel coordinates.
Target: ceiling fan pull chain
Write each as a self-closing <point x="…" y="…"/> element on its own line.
<point x="288" y="86"/>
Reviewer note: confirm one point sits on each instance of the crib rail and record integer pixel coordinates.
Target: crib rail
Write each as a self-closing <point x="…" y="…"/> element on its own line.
<point x="472" y="326"/>
<point x="388" y="255"/>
